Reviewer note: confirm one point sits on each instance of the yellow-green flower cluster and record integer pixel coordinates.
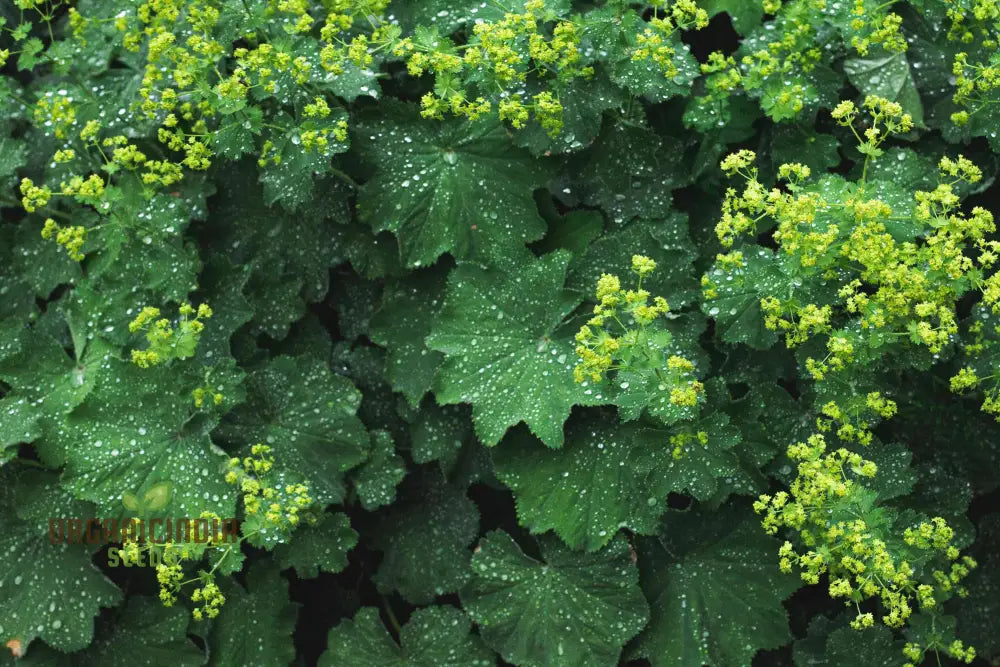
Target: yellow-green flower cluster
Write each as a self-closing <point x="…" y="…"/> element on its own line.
<point x="167" y="563"/>
<point x="167" y="342"/>
<point x="680" y="443"/>
<point x="200" y="394"/>
<point x="874" y="27"/>
<point x="965" y="379"/>
<point x="282" y="507"/>
<point x="887" y="118"/>
<point x="780" y="59"/>
<point x="71" y="237"/>
<point x="957" y="649"/>
<point x="170" y="571"/>
<point x="854" y="419"/>
<point x="208" y="597"/>
<point x="55" y="112"/>
<point x="903" y="290"/>
<point x="170" y="577"/>
<point x="787" y="50"/>
<point x="34" y="197"/>
<point x="845" y="538"/>
<point x="655" y="41"/>
<point x="618" y="336"/>
<point x="503" y="53"/>
<point x="968" y="379"/>
<point x="88" y="190"/>
<point x="974" y="23"/>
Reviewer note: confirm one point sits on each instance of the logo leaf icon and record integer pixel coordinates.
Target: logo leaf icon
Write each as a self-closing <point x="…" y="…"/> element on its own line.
<point x="157" y="497"/>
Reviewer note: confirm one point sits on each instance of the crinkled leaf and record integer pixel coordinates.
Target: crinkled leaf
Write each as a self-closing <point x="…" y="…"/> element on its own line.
<point x="401" y="324"/>
<point x="377" y="478"/>
<point x="146" y="633"/>
<point x="255" y="624"/>
<point x="666" y="241"/>
<point x="41" y="372"/>
<point x="450" y="186"/>
<point x="18" y="424"/>
<point x="569" y="608"/>
<point x="630" y="173"/>
<point x="714" y="589"/>
<point x="322" y="547"/>
<point x="795" y="143"/>
<point x="887" y="75"/>
<point x="843" y="646"/>
<point x="584" y="104"/>
<point x="736" y="309"/>
<point x="745" y="16"/>
<point x="47" y="591"/>
<point x="139" y="427"/>
<point x="614" y="35"/>
<point x="438" y="432"/>
<point x="433" y="637"/>
<point x="306" y="414"/>
<point x="289" y="255"/>
<point x="976" y="615"/>
<point x="574" y="231"/>
<point x="605" y="477"/>
<point x="425" y="542"/>
<point x="505" y="350"/>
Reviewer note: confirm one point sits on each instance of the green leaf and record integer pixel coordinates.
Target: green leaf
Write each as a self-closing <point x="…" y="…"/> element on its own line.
<point x="149" y="251"/>
<point x="377" y="478"/>
<point x="641" y="390"/>
<point x="19" y="424"/>
<point x="887" y="75"/>
<point x="12" y="156"/>
<point x="605" y="477"/>
<point x="146" y="633"/>
<point x="745" y="15"/>
<point x="48" y="591"/>
<point x="425" y="542"/>
<point x="450" y="186"/>
<point x="137" y="428"/>
<point x="30" y="49"/>
<point x="895" y="477"/>
<point x="584" y="103"/>
<point x="506" y="352"/>
<point x="235" y="136"/>
<point x="322" y="547"/>
<point x="358" y="299"/>
<point x="976" y="615"/>
<point x="736" y="309"/>
<point x="665" y="240"/>
<point x="568" y="608"/>
<point x="291" y="183"/>
<point x="289" y="255"/>
<point x="222" y="284"/>
<point x="44" y="264"/>
<point x="40" y="371"/>
<point x="306" y="414"/>
<point x="433" y="637"/>
<point x="699" y="467"/>
<point x="438" y="432"/>
<point x="255" y="624"/>
<point x="796" y="143"/>
<point x="402" y="323"/>
<point x="629" y="175"/>
<point x="828" y="644"/>
<point x="574" y="232"/>
<point x="714" y="589"/>
<point x="614" y="34"/>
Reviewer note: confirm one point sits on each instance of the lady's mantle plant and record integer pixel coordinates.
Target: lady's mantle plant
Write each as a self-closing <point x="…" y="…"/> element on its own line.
<point x="545" y="332"/>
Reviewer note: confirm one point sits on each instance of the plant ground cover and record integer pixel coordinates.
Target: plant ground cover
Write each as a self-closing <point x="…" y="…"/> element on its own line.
<point x="547" y="333"/>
